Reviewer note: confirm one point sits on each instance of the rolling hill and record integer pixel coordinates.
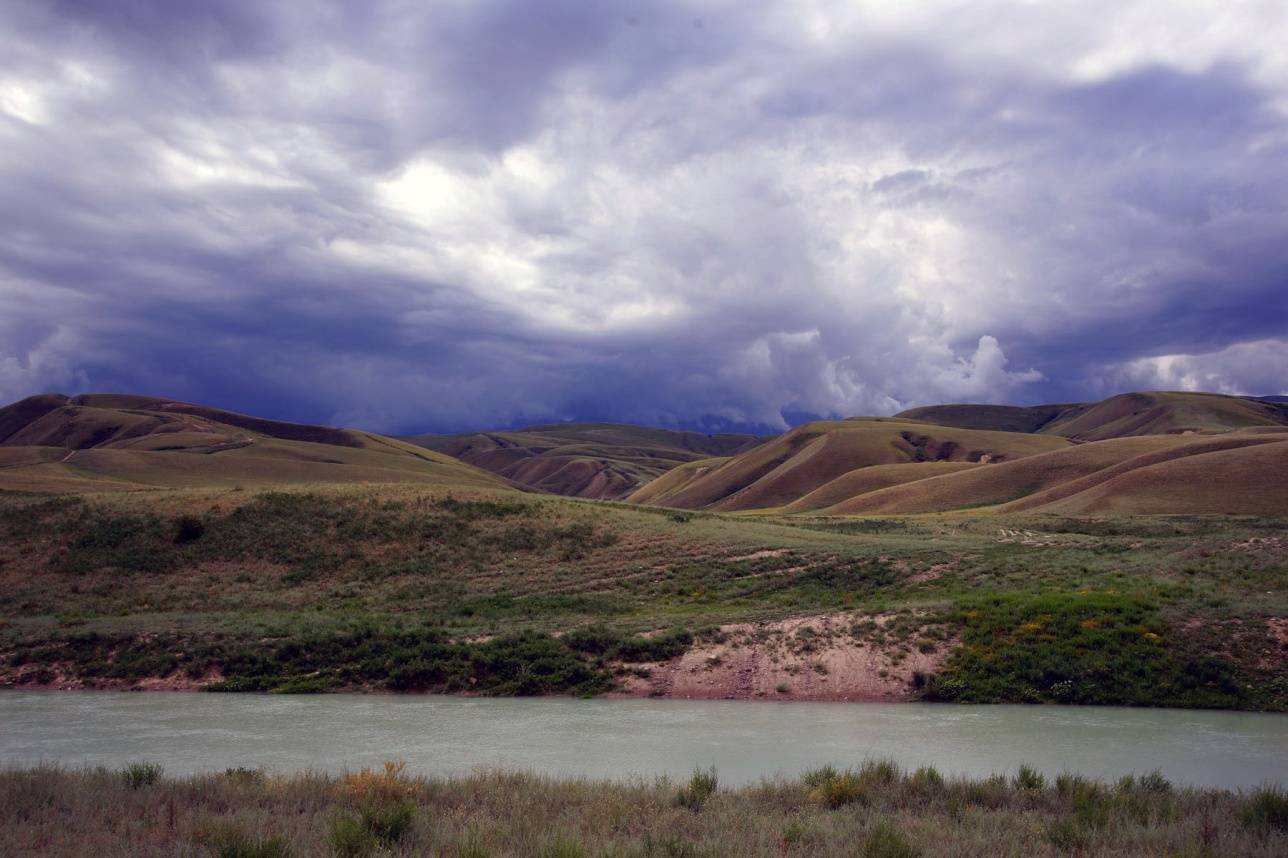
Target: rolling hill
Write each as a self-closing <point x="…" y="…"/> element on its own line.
<point x="1151" y="413"/>
<point x="105" y="442"/>
<point x="590" y="460"/>
<point x="782" y="471"/>
<point x="1136" y="452"/>
<point x="1050" y="482"/>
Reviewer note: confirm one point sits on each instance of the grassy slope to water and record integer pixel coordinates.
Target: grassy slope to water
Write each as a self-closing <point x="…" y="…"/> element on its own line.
<point x="408" y="588"/>
<point x="875" y="811"/>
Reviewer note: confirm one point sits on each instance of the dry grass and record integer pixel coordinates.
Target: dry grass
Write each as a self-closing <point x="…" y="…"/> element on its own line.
<point x="828" y="813"/>
<point x="809" y="456"/>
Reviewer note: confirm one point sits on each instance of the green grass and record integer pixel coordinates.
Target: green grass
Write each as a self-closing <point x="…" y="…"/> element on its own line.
<point x="1086" y="648"/>
<point x="72" y="813"/>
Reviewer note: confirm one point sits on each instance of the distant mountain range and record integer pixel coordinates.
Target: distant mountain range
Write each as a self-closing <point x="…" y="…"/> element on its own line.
<point x="1152" y="452"/>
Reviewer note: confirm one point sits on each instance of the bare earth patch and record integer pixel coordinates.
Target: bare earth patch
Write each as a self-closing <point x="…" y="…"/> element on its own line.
<point x="806" y="658"/>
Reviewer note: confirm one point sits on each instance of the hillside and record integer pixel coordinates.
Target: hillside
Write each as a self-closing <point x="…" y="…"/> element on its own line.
<point x="959" y="457"/>
<point x="810" y="456"/>
<point x="1128" y="414"/>
<point x="1057" y="481"/>
<point x="105" y="442"/>
<point x="590" y="460"/>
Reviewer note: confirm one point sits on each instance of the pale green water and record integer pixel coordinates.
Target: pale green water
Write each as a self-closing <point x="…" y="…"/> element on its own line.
<point x="615" y="738"/>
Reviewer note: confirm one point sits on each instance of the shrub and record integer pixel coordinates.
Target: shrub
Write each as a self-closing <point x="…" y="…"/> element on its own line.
<point x="1268" y="808"/>
<point x="389" y="784"/>
<point x="928" y="779"/>
<point x="139" y="775"/>
<point x="701" y="786"/>
<point x="244" y="775"/>
<point x="1155" y="783"/>
<point x="229" y="841"/>
<point x="817" y="777"/>
<point x="387" y="823"/>
<point x="1065" y="833"/>
<point x="881" y="771"/>
<point x="1067" y="784"/>
<point x="885" y="841"/>
<point x="349" y="839"/>
<point x="1028" y="778"/>
<point x="839" y="790"/>
<point x="188" y="528"/>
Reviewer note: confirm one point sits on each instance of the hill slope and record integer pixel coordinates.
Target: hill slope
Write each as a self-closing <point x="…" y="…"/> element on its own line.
<point x="1037" y="482"/>
<point x="102" y="442"/>
<point x="810" y="456"/>
<point x="1128" y="414"/>
<point x="591" y="460"/>
<point x="956" y="457"/>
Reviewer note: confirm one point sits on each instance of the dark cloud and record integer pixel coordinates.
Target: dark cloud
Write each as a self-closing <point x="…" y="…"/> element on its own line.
<point x="465" y="214"/>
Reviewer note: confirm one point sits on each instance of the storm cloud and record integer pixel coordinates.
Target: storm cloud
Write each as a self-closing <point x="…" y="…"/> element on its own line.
<point x="458" y="215"/>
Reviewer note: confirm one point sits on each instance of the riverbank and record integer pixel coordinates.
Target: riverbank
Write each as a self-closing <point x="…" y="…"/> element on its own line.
<point x="875" y="811"/>
<point x="398" y="588"/>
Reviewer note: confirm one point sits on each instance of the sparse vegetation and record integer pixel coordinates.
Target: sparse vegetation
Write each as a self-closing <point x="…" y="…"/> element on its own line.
<point x="403" y="588"/>
<point x="69" y="814"/>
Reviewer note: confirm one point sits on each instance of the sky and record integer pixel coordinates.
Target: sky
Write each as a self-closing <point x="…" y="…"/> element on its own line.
<point x="440" y="216"/>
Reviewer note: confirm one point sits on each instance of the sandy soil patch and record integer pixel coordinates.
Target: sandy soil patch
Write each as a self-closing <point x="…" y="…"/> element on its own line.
<point x="807" y="658"/>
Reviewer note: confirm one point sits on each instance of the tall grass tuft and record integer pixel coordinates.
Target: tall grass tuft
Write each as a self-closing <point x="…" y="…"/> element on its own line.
<point x="1268" y="808"/>
<point x="1028" y="778"/>
<point x="141" y="774"/>
<point x="701" y="786"/>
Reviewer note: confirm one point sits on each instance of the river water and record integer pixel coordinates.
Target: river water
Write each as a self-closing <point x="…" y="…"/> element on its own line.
<point x="745" y="741"/>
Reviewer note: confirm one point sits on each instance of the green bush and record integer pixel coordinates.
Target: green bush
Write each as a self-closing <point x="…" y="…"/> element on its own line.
<point x="927" y="779"/>
<point x="1067" y="834"/>
<point x="1267" y="808"/>
<point x="1083" y="648"/>
<point x="140" y="775"/>
<point x="1028" y="778"/>
<point x="387" y="822"/>
<point x="885" y="841"/>
<point x="349" y="838"/>
<point x="840" y="790"/>
<point x="188" y="528"/>
<point x="701" y="786"/>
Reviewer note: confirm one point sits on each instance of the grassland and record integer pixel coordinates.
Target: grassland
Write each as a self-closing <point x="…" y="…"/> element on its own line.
<point x="874" y="811"/>
<point x="401" y="587"/>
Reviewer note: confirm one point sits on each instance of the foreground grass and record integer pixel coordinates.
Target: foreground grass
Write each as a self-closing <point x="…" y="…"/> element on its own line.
<point x="875" y="811"/>
<point x="406" y="588"/>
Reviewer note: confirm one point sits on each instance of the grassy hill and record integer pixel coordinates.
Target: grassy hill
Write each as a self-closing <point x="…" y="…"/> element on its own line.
<point x="979" y="457"/>
<point x="590" y="460"/>
<point x="1128" y="414"/>
<point x="413" y="587"/>
<point x="109" y="442"/>
<point x="781" y="471"/>
<point x="1047" y="482"/>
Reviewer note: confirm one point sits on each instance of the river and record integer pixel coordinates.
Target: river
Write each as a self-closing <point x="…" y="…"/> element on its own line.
<point x="745" y="741"/>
